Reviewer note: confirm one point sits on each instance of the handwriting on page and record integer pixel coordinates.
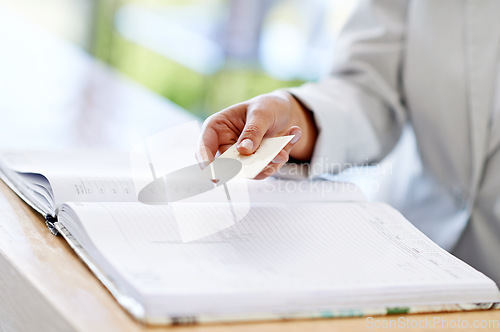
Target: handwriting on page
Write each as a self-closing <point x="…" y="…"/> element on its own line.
<point x="103" y="186"/>
<point x="94" y="188"/>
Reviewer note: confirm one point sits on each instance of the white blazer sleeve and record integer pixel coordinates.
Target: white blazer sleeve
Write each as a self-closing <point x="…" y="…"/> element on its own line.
<point x="358" y="108"/>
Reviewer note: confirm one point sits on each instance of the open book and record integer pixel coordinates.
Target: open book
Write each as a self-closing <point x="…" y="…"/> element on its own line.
<point x="303" y="249"/>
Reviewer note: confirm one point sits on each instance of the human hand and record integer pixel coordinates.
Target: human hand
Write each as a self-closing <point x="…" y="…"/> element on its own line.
<point x="269" y="115"/>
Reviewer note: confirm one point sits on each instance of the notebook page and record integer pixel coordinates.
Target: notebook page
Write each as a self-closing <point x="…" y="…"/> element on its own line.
<point x="301" y="191"/>
<point x="333" y="252"/>
<point x="81" y="188"/>
<point x="72" y="176"/>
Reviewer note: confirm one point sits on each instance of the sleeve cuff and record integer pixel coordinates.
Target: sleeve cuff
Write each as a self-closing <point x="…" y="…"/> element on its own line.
<point x="345" y="136"/>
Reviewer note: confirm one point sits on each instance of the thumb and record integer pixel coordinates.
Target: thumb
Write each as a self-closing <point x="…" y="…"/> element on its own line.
<point x="256" y="127"/>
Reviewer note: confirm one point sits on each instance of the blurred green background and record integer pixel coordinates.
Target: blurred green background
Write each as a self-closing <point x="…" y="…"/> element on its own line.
<point x="202" y="94"/>
<point x="204" y="55"/>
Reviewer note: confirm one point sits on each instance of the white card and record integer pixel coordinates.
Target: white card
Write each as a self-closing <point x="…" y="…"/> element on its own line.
<point x="253" y="164"/>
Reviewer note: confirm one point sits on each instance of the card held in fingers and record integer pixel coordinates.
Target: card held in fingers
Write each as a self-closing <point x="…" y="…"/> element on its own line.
<point x="253" y="164"/>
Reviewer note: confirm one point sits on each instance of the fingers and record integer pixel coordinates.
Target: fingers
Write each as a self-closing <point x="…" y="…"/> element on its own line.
<point x="256" y="126"/>
<point x="219" y="132"/>
<point x="282" y="157"/>
<point x="246" y="124"/>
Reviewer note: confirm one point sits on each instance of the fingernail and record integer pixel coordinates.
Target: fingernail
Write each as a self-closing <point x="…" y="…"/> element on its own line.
<point x="278" y="160"/>
<point x="296" y="136"/>
<point x="247" y="144"/>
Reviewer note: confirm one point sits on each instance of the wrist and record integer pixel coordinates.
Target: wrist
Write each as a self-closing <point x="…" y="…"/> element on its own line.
<point x="303" y="117"/>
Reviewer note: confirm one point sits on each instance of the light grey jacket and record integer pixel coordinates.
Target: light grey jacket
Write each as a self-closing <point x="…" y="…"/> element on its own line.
<point x="432" y="63"/>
